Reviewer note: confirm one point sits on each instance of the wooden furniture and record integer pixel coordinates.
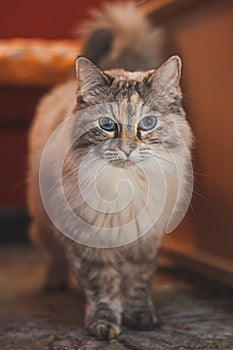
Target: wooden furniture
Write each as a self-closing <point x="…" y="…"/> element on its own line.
<point x="201" y="33"/>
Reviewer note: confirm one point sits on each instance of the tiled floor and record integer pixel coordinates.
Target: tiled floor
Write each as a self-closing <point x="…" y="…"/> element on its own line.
<point x="195" y="313"/>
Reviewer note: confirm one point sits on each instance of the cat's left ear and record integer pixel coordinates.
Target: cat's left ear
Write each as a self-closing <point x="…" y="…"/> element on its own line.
<point x="166" y="78"/>
<point x="89" y="76"/>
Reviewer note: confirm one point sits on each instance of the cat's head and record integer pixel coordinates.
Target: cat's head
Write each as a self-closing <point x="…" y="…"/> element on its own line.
<point x="129" y="117"/>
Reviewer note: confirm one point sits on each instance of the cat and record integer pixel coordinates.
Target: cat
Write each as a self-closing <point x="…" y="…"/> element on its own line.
<point x="124" y="120"/>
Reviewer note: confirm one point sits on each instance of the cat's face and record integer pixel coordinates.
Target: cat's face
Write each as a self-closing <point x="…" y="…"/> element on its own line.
<point x="131" y="117"/>
<point x="131" y="133"/>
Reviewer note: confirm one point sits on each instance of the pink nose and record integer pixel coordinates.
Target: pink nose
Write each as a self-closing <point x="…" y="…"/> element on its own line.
<point x="127" y="150"/>
<point x="127" y="147"/>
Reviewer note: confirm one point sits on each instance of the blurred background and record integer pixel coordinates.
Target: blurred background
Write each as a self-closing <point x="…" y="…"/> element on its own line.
<point x="37" y="51"/>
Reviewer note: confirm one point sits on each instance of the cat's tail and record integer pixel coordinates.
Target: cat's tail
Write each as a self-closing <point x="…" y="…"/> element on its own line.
<point x="120" y="36"/>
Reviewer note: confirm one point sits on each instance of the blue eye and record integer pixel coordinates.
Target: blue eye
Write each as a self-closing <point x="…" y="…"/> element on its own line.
<point x="107" y="124"/>
<point x="148" y="123"/>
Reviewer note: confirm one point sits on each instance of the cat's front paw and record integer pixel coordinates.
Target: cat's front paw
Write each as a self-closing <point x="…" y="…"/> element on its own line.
<point x="103" y="329"/>
<point x="143" y="320"/>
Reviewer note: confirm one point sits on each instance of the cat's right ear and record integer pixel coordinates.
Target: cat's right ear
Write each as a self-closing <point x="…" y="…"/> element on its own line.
<point x="166" y="78"/>
<point x="89" y="76"/>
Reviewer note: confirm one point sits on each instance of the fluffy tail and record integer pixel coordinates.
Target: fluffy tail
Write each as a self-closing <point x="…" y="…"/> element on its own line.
<point x="120" y="36"/>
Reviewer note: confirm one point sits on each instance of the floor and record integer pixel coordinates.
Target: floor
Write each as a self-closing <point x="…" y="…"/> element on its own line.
<point x="195" y="313"/>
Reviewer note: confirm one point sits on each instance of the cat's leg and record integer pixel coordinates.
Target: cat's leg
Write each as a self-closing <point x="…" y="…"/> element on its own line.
<point x="57" y="273"/>
<point x="138" y="307"/>
<point x="101" y="283"/>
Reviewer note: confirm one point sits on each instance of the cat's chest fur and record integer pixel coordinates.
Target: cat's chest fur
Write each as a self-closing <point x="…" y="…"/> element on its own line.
<point x="120" y="205"/>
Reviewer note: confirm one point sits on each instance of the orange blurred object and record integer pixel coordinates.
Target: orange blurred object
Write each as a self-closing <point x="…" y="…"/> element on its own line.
<point x="36" y="61"/>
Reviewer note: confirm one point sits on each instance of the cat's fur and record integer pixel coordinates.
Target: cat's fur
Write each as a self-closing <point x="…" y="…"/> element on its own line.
<point x="116" y="281"/>
<point x="121" y="37"/>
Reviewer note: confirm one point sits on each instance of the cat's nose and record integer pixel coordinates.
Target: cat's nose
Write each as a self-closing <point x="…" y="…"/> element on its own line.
<point x="127" y="151"/>
<point x="128" y="147"/>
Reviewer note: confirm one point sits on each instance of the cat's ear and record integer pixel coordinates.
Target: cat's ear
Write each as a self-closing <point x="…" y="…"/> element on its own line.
<point x="166" y="78"/>
<point x="89" y="76"/>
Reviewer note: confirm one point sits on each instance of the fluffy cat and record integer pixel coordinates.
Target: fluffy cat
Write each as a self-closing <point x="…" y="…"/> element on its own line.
<point x="125" y="120"/>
